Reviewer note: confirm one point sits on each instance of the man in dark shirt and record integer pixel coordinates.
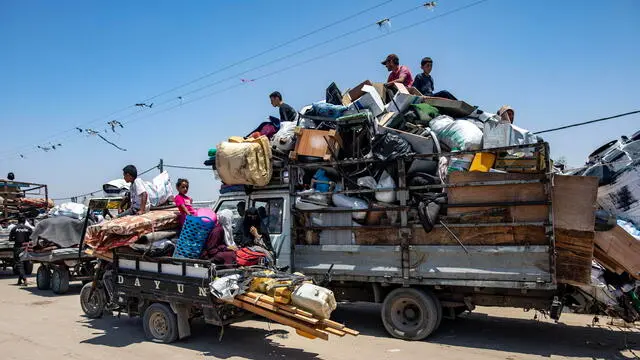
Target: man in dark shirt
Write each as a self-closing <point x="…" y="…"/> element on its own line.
<point x="424" y="82"/>
<point x="19" y="235"/>
<point x="287" y="113"/>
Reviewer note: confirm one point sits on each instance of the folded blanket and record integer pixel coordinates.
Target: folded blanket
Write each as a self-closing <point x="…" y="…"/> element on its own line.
<point x="127" y="230"/>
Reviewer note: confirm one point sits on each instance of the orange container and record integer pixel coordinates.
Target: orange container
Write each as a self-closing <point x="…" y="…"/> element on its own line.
<point x="482" y="162"/>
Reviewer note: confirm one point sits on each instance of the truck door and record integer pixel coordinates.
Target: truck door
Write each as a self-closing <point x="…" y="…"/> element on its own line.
<point x="277" y="221"/>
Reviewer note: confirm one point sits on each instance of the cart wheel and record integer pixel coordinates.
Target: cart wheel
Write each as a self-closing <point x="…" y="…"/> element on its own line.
<point x="93" y="307"/>
<point x="160" y="323"/>
<point x="28" y="267"/>
<point x="43" y="277"/>
<point x="410" y="313"/>
<point x="60" y="280"/>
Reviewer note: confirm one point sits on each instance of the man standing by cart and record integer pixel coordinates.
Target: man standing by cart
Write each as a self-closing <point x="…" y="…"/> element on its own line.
<point x="20" y="235"/>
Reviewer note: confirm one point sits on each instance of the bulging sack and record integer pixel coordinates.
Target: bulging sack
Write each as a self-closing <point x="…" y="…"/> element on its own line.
<point x="285" y="139"/>
<point x="244" y="161"/>
<point x="460" y="134"/>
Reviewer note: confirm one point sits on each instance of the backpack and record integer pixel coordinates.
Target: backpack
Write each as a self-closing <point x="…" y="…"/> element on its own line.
<point x="248" y="257"/>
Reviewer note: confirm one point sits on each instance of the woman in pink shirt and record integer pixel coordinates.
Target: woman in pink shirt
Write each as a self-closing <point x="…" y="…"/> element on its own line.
<point x="183" y="202"/>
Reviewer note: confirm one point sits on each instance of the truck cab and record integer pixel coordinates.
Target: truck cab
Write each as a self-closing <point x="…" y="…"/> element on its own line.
<point x="275" y="200"/>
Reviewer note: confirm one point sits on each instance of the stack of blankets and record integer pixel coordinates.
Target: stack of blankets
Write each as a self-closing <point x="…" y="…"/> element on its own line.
<point x="127" y="230"/>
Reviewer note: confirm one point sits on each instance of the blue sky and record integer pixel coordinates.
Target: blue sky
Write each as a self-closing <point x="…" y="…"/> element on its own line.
<point x="70" y="63"/>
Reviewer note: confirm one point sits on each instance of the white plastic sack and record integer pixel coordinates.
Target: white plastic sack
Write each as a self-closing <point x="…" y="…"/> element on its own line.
<point x="368" y="182"/>
<point x="341" y="200"/>
<point x="70" y="209"/>
<point x="285" y="139"/>
<point x="159" y="189"/>
<point x="500" y="134"/>
<point x="386" y="182"/>
<point x="457" y="134"/>
<point x="226" y="288"/>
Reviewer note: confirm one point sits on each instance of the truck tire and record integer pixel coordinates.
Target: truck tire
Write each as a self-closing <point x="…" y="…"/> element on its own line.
<point x="43" y="278"/>
<point x="160" y="323"/>
<point x="411" y="313"/>
<point x="60" y="280"/>
<point x="93" y="307"/>
<point x="28" y="267"/>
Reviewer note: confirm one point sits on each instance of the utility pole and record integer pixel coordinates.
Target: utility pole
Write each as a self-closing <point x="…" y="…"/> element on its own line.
<point x="161" y="166"/>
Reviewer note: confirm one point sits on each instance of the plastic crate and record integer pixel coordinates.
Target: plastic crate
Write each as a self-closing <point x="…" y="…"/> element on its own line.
<point x="194" y="234"/>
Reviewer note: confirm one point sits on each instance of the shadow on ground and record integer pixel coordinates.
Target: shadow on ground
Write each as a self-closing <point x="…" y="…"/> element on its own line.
<point x="480" y="331"/>
<point x="239" y="340"/>
<point x="74" y="290"/>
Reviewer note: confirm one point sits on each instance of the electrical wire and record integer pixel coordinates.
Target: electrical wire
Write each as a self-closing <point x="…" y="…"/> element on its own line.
<point x="588" y="122"/>
<point x="220" y="70"/>
<point x="96" y="191"/>
<point x="187" y="167"/>
<point x="351" y="46"/>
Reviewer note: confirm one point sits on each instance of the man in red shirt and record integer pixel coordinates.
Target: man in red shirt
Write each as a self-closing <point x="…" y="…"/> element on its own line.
<point x="399" y="73"/>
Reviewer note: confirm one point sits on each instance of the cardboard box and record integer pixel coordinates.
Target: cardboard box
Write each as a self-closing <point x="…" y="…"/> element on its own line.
<point x="402" y="99"/>
<point x="369" y="100"/>
<point x="355" y="93"/>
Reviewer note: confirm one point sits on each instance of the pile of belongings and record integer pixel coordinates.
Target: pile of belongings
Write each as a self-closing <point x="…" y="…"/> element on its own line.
<point x="371" y="121"/>
<point x="290" y="299"/>
<point x="69" y="209"/>
<point x="127" y="230"/>
<point x="55" y="238"/>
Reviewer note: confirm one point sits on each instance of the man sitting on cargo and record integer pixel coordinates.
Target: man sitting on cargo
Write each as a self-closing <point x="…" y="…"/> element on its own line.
<point x="287" y="113"/>
<point x="424" y="81"/>
<point x="399" y="73"/>
<point x="137" y="191"/>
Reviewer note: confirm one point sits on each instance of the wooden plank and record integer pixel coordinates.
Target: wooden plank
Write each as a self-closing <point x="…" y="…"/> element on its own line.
<point x="484" y="235"/>
<point x="574" y="202"/>
<point x="461" y="177"/>
<point x="574" y="253"/>
<point x="281" y="319"/>
<point x="621" y="248"/>
<point x="605" y="260"/>
<point x="489" y="235"/>
<point x="351" y="331"/>
<point x="525" y="213"/>
<point x="333" y="324"/>
<point x="334" y="331"/>
<point x="270" y="300"/>
<point x="497" y="193"/>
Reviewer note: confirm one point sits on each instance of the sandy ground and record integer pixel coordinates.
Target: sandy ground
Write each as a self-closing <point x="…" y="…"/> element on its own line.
<point x="38" y="324"/>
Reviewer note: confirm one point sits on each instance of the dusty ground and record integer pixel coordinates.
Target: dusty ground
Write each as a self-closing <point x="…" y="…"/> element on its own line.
<point x="40" y="325"/>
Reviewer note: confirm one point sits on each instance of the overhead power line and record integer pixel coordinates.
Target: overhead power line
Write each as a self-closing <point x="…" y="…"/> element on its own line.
<point x="588" y="122"/>
<point x="220" y="70"/>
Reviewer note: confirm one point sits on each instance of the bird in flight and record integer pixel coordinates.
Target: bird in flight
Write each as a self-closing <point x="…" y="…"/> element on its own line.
<point x="114" y="124"/>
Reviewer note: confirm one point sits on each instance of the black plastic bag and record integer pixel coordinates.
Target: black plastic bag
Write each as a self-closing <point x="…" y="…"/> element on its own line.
<point x="390" y="146"/>
<point x="333" y="94"/>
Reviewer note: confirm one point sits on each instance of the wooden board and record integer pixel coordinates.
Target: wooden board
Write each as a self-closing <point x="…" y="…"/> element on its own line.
<point x="574" y="252"/>
<point x="574" y="202"/>
<point x="525" y="213"/>
<point x="619" y="247"/>
<point x="494" y="193"/>
<point x="485" y="235"/>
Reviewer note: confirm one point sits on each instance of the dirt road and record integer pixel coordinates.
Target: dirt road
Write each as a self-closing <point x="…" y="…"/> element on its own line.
<point x="39" y="325"/>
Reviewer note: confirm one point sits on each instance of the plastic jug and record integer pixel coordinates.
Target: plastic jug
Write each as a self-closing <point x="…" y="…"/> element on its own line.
<point x="482" y="161"/>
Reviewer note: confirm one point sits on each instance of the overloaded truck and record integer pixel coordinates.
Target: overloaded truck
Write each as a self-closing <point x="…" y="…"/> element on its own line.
<point x="433" y="248"/>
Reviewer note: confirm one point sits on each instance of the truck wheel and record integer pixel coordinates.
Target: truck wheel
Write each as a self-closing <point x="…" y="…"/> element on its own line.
<point x="60" y="280"/>
<point x="43" y="278"/>
<point x="92" y="306"/>
<point x="160" y="323"/>
<point x="28" y="267"/>
<point x="411" y="314"/>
